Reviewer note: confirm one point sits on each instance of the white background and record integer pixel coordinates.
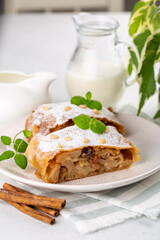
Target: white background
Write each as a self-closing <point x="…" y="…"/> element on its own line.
<point x="33" y="43"/>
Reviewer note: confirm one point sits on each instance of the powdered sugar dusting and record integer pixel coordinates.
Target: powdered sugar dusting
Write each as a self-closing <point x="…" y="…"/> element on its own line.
<point x="77" y="135"/>
<point x="57" y="111"/>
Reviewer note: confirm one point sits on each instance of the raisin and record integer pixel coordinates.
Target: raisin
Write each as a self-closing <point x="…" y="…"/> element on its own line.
<point x="86" y="152"/>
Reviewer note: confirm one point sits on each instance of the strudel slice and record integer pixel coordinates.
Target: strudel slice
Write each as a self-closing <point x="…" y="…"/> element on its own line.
<point x="55" y="116"/>
<point x="72" y="153"/>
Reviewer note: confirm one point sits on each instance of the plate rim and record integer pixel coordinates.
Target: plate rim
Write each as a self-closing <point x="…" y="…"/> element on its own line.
<point x="84" y="188"/>
<point x="69" y="188"/>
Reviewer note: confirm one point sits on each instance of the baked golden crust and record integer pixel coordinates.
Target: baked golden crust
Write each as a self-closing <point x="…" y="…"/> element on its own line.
<point x="76" y="159"/>
<point x="53" y="117"/>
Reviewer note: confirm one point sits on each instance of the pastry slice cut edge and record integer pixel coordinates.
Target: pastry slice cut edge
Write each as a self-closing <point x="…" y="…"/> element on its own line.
<point x="72" y="153"/>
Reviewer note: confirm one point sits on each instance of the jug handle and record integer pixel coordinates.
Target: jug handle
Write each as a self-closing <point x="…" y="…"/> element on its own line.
<point x="131" y="79"/>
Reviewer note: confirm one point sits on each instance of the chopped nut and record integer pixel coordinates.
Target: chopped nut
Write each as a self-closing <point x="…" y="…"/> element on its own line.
<point x="83" y="106"/>
<point x="96" y="111"/>
<point x="81" y="163"/>
<point x="85" y="140"/>
<point x="60" y="145"/>
<point x="53" y="136"/>
<point x="67" y="108"/>
<point x="45" y="108"/>
<point x="67" y="138"/>
<point x="107" y="129"/>
<point x="102" y="140"/>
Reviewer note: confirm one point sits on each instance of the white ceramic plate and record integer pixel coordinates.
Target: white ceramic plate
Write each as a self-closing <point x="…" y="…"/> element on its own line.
<point x="141" y="132"/>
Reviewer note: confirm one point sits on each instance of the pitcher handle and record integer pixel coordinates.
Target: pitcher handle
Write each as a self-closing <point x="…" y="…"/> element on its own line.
<point x="132" y="79"/>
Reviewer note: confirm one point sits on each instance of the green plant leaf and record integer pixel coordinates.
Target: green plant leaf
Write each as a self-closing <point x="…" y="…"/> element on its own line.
<point x="135" y="25"/>
<point x="158" y="80"/>
<point x="94" y="104"/>
<point x="154" y="17"/>
<point x="158" y="55"/>
<point x="88" y="95"/>
<point x="137" y="6"/>
<point x="6" y="155"/>
<point x="146" y="74"/>
<point x="78" y="100"/>
<point x="130" y="67"/>
<point x="97" y="126"/>
<point x="140" y="40"/>
<point x="20" y="145"/>
<point x="21" y="160"/>
<point x="82" y="121"/>
<point x="27" y="133"/>
<point x="158" y="77"/>
<point x="133" y="57"/>
<point x="138" y="18"/>
<point x="6" y="140"/>
<point x="157" y="115"/>
<point x="157" y="11"/>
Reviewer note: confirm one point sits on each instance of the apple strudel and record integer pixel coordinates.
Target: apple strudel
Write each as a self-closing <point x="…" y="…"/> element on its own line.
<point x="55" y="116"/>
<point x="72" y="153"/>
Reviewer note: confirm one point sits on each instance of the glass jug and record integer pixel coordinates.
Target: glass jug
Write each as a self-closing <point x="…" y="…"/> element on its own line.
<point x="96" y="63"/>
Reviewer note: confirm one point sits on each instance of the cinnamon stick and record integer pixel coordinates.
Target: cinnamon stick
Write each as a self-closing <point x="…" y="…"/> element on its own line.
<point x="52" y="212"/>
<point x="31" y="199"/>
<point x="49" y="211"/>
<point x="33" y="213"/>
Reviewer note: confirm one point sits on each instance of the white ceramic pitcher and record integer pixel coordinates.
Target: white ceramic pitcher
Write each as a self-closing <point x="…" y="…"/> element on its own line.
<point x="21" y="93"/>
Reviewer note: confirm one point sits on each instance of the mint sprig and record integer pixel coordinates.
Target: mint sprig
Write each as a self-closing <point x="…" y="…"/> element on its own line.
<point x="21" y="160"/>
<point x="78" y="100"/>
<point x="6" y="155"/>
<point x="92" y="104"/>
<point x="144" y="28"/>
<point x="85" y="122"/>
<point x="6" y="140"/>
<point x="82" y="121"/>
<point x="97" y="126"/>
<point x="88" y="95"/>
<point x="19" y="146"/>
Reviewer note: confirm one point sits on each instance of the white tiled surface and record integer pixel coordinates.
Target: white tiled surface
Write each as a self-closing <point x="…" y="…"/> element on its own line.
<point x="38" y="42"/>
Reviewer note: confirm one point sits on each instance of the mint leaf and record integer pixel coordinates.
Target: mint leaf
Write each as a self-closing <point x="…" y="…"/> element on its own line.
<point x="20" y="145"/>
<point x="94" y="104"/>
<point x="88" y="95"/>
<point x="27" y="133"/>
<point x="6" y="155"/>
<point x="82" y="121"/>
<point x="140" y="40"/>
<point x="97" y="126"/>
<point x="6" y="140"/>
<point x="133" y="57"/>
<point x="21" y="160"/>
<point x="78" y="100"/>
<point x="146" y="74"/>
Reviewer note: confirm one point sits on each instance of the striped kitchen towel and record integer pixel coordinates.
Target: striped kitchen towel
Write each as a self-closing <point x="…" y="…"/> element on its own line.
<point x="89" y="212"/>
